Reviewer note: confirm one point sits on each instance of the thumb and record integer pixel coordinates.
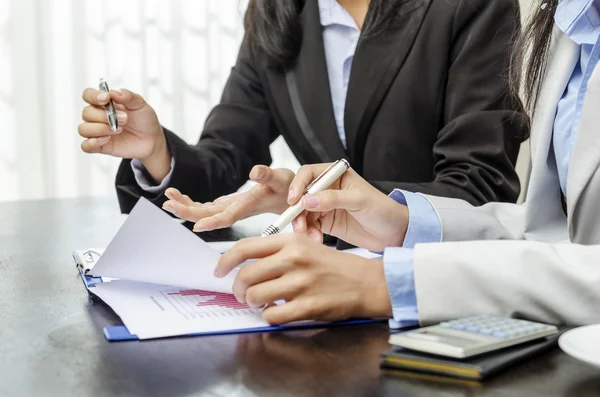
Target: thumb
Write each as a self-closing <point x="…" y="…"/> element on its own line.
<point x="261" y="174"/>
<point x="277" y="179"/>
<point x="129" y="99"/>
<point x="330" y="200"/>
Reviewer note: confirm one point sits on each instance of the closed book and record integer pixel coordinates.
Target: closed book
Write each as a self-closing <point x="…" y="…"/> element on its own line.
<point x="472" y="368"/>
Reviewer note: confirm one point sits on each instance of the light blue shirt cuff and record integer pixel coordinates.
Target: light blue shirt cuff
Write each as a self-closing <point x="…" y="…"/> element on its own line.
<point x="138" y="172"/>
<point x="399" y="276"/>
<point x="424" y="225"/>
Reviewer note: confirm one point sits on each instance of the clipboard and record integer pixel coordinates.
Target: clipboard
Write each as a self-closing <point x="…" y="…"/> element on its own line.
<point x="85" y="260"/>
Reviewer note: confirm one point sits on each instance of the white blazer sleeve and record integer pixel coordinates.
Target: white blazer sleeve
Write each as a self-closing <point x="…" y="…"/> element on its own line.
<point x="494" y="221"/>
<point x="554" y="283"/>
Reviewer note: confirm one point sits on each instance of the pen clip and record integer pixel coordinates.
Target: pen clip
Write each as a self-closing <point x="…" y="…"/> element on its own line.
<point x="320" y="176"/>
<point x="103" y="86"/>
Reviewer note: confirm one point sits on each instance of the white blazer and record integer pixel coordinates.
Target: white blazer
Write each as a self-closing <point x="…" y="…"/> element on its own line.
<point x="542" y="264"/>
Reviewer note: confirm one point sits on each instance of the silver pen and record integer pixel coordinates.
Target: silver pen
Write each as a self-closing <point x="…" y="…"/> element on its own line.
<point x="109" y="108"/>
<point x="322" y="182"/>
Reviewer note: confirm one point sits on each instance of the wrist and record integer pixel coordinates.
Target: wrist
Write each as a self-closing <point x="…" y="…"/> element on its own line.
<point x="158" y="162"/>
<point x="375" y="302"/>
<point x="402" y="217"/>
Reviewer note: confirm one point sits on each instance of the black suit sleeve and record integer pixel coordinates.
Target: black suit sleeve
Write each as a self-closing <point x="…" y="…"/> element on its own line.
<point x="477" y="148"/>
<point x="236" y="136"/>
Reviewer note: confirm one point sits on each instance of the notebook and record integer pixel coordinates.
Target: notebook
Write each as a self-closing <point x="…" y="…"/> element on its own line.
<point x="157" y="276"/>
<point x="475" y="368"/>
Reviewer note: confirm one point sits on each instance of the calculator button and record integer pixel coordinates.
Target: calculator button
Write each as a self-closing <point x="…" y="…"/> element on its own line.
<point x="497" y="327"/>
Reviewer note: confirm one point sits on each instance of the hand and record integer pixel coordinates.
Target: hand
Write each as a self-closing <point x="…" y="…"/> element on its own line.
<point x="351" y="209"/>
<point x="268" y="196"/>
<point x="139" y="136"/>
<point x="317" y="282"/>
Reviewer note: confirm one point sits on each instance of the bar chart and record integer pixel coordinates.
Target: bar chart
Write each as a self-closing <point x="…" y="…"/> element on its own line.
<point x="194" y="304"/>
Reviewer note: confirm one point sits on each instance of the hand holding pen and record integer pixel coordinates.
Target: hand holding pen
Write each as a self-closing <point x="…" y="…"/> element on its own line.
<point x="120" y="123"/>
<point x="320" y="183"/>
<point x="350" y="209"/>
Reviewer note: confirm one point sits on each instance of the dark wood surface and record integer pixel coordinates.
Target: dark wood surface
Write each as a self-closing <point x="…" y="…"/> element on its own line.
<point x="51" y="341"/>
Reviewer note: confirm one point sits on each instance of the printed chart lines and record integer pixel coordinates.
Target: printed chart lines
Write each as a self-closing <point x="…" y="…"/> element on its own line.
<point x="194" y="304"/>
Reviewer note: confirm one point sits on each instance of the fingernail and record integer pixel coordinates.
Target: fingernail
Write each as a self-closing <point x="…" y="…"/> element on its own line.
<point x="217" y="273"/>
<point x="103" y="140"/>
<point x="121" y="116"/>
<point x="199" y="229"/>
<point x="260" y="174"/>
<point x="291" y="194"/>
<point x="311" y="202"/>
<point x="314" y="236"/>
<point x="170" y="209"/>
<point x="102" y="97"/>
<point x="119" y="92"/>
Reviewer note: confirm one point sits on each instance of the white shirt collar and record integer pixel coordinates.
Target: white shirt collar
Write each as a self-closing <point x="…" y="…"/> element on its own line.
<point x="332" y="13"/>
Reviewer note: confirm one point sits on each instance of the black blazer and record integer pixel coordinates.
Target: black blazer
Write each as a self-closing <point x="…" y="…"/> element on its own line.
<point x="427" y="109"/>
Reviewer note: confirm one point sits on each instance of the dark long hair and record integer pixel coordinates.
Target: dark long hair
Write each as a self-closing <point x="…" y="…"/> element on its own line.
<point x="274" y="27"/>
<point x="530" y="55"/>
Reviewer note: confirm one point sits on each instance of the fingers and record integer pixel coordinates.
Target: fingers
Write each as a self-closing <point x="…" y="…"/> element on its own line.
<point x="191" y="212"/>
<point x="97" y="130"/>
<point x="220" y="214"/>
<point x="220" y="220"/>
<point x="313" y="227"/>
<point x="95" y="97"/>
<point x="329" y="200"/>
<point x="264" y="293"/>
<point x="95" y="114"/>
<point x="174" y="194"/>
<point x="299" y="223"/>
<point x="309" y="225"/>
<point x="227" y="210"/>
<point x="97" y="145"/>
<point x="129" y="99"/>
<point x="251" y="248"/>
<point x="295" y="310"/>
<point x="253" y="276"/>
<point x="305" y="175"/>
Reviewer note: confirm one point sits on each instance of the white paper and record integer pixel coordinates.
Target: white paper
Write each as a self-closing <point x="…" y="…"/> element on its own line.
<point x="156" y="311"/>
<point x="159" y="279"/>
<point x="151" y="248"/>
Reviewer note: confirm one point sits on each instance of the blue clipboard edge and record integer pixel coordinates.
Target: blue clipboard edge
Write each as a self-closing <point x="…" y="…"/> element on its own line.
<point x="120" y="333"/>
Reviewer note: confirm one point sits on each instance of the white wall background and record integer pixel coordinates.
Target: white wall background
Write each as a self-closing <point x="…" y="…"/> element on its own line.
<point x="176" y="53"/>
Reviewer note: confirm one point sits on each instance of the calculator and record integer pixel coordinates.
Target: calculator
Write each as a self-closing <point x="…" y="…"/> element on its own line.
<point x="472" y="336"/>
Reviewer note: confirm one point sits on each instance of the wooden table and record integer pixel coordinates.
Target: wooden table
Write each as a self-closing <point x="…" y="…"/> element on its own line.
<point x="51" y="341"/>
